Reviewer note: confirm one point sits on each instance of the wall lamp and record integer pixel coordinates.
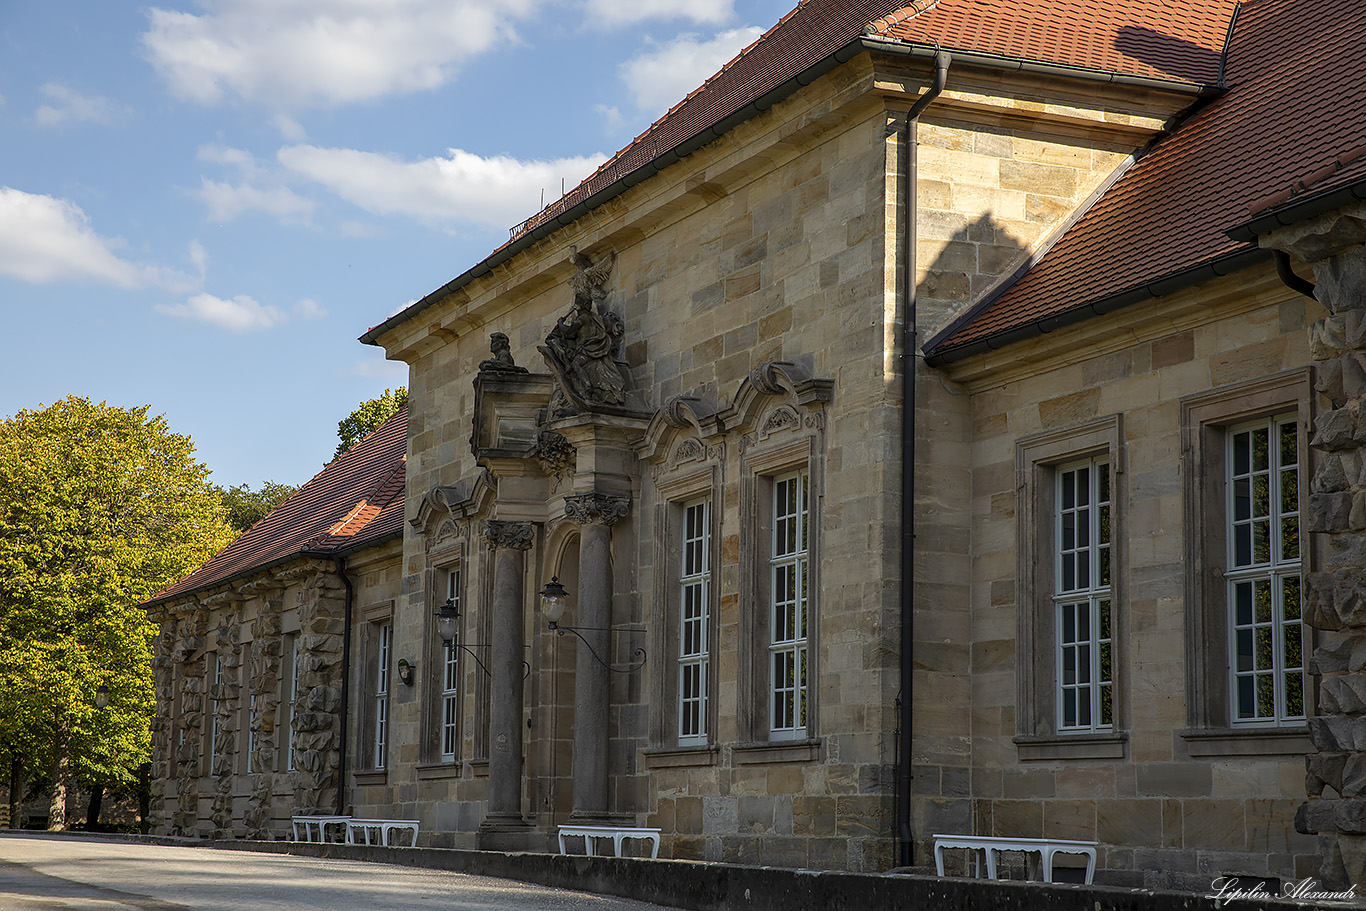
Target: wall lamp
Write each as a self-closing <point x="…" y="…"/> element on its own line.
<point x="555" y="601"/>
<point x="405" y="671"/>
<point x="101" y="696"/>
<point x="448" y="628"/>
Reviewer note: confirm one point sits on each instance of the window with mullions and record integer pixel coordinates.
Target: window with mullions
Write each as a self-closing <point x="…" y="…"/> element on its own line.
<point x="693" y="622"/>
<point x="215" y="735"/>
<point x="381" y="691"/>
<point x="1082" y="598"/>
<point x="1263" y="574"/>
<point x="788" y="568"/>
<point x="450" y="680"/>
<point x="292" y="681"/>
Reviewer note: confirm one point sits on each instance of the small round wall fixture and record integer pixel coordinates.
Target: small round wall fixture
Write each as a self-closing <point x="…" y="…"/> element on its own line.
<point x="554" y="601"/>
<point x="405" y="671"/>
<point x="448" y="620"/>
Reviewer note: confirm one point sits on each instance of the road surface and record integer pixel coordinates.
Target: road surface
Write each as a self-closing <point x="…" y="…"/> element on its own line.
<point x="41" y="872"/>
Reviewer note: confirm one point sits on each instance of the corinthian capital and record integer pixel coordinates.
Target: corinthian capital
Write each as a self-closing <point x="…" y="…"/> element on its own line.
<point x="512" y="535"/>
<point x="595" y="508"/>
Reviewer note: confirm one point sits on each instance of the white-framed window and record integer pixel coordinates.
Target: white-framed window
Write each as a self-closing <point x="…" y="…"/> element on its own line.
<point x="215" y="734"/>
<point x="694" y="647"/>
<point x="251" y="734"/>
<point x="293" y="691"/>
<point x="450" y="680"/>
<point x="1266" y="629"/>
<point x="788" y="576"/>
<point x="1082" y="597"/>
<point x="381" y="697"/>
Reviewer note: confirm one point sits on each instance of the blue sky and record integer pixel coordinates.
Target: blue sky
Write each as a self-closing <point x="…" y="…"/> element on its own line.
<point x="203" y="204"/>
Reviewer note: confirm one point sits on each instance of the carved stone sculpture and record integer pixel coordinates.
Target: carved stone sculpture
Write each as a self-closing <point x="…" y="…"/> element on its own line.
<point x="595" y="509"/>
<point x="502" y="361"/>
<point x="583" y="347"/>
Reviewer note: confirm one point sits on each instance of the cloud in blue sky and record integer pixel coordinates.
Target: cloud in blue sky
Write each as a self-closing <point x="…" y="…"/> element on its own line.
<point x="44" y="239"/>
<point x="257" y="189"/>
<point x="238" y="314"/>
<point x="66" y="105"/>
<point x="620" y="12"/>
<point x="662" y="76"/>
<point x="321" y="53"/>
<point x="497" y="191"/>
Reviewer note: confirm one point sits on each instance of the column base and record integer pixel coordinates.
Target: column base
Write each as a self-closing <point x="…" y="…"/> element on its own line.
<point x="601" y="818"/>
<point x="509" y="833"/>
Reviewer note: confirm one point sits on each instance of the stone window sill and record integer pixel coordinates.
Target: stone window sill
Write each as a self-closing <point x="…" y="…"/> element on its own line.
<point x="1071" y="746"/>
<point x="681" y="757"/>
<point x="364" y="779"/>
<point x="479" y="768"/>
<point x="1246" y="742"/>
<point x="432" y="770"/>
<point x="776" y="751"/>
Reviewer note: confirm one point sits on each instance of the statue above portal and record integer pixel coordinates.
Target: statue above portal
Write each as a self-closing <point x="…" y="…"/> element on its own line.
<point x="502" y="361"/>
<point x="583" y="347"/>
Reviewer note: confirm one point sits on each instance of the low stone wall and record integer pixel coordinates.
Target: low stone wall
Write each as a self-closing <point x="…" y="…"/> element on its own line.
<point x="703" y="886"/>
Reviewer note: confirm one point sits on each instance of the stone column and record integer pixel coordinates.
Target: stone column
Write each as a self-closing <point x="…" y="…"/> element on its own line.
<point x="595" y="514"/>
<point x="1335" y="517"/>
<point x="510" y="542"/>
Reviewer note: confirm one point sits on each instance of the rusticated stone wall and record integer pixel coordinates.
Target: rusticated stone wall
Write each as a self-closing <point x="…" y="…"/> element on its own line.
<point x="163" y="684"/>
<point x="263" y="669"/>
<point x="1336" y="519"/>
<point x="188" y="661"/>
<point x="226" y="705"/>
<point x="317" y="724"/>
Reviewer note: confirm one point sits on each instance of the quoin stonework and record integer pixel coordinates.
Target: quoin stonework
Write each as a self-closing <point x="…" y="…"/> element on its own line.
<point x="948" y="419"/>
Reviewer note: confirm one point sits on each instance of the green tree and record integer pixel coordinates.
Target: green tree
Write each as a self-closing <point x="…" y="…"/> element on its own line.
<point x="367" y="416"/>
<point x="245" y="507"/>
<point x="100" y="508"/>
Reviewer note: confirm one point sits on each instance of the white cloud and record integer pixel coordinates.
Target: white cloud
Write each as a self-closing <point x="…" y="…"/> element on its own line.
<point x="621" y="12"/>
<point x="660" y="78"/>
<point x="309" y="309"/>
<point x="497" y="191"/>
<point x="69" y="106"/>
<point x="257" y="190"/>
<point x="288" y="54"/>
<point x="241" y="314"/>
<point x="290" y="129"/>
<point x="44" y="239"/>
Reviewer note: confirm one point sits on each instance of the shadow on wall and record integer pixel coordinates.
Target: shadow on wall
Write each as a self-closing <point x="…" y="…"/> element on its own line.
<point x="966" y="273"/>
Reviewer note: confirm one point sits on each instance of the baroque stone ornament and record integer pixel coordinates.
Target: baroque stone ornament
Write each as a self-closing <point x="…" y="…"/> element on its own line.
<point x="554" y="452"/>
<point x="595" y="508"/>
<point x="502" y="361"/>
<point x="583" y="348"/>
<point x="511" y="535"/>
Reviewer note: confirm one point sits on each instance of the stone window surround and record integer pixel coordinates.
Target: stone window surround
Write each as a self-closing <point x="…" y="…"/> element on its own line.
<point x="1204" y="417"/>
<point x="688" y="482"/>
<point x="432" y="765"/>
<point x="371" y="619"/>
<point x="1036" y="458"/>
<point x="760" y="464"/>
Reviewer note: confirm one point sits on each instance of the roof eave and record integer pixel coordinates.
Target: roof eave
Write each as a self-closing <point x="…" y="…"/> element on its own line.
<point x="1297" y="212"/>
<point x="866" y="43"/>
<point x="1159" y="287"/>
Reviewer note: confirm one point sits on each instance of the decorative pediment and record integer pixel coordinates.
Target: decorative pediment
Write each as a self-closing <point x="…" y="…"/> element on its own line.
<point x="685" y="422"/>
<point x="443" y="505"/>
<point x="770" y="385"/>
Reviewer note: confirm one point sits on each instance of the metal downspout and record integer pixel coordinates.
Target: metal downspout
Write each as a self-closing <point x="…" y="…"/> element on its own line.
<point x="1289" y="278"/>
<point x="345" y="711"/>
<point x="909" y="341"/>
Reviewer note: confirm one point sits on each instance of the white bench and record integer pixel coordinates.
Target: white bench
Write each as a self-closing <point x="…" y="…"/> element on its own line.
<point x="359" y="831"/>
<point x="316" y="825"/>
<point x="618" y="834"/>
<point x="1046" y="848"/>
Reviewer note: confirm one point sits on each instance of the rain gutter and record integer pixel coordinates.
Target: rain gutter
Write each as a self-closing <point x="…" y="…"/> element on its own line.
<point x="1175" y="281"/>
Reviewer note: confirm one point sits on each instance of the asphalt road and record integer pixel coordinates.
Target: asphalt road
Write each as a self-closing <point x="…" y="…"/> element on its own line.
<point x="68" y="873"/>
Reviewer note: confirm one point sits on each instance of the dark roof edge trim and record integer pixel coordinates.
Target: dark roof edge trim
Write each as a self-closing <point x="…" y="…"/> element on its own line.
<point x="1159" y="287"/>
<point x="1300" y="211"/>
<point x="301" y="554"/>
<point x="878" y="44"/>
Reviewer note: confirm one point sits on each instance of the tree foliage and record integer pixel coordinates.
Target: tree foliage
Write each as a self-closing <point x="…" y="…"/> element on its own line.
<point x="100" y="508"/>
<point x="367" y="416"/>
<point x="245" y="507"/>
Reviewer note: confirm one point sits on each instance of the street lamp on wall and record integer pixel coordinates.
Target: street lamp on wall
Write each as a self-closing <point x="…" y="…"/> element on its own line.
<point x="102" y="696"/>
<point x="405" y="671"/>
<point x="555" y="601"/>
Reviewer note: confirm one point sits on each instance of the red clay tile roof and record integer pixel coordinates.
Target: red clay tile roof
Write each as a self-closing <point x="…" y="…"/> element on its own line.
<point x="357" y="499"/>
<point x="1296" y="68"/>
<point x="1157" y="38"/>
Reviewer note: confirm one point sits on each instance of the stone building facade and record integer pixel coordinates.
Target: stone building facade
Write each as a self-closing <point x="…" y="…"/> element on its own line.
<point x="1126" y="441"/>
